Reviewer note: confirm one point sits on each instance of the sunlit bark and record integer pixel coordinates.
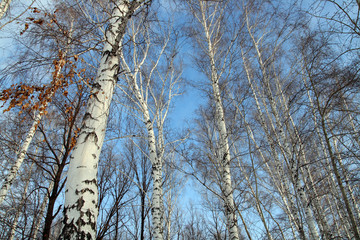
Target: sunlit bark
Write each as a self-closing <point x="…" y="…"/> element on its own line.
<point x="21" y="204"/>
<point x="4" y="5"/>
<point x="81" y="194"/>
<point x="280" y="178"/>
<point x="23" y="149"/>
<point x="151" y="92"/>
<point x="210" y="23"/>
<point x="329" y="149"/>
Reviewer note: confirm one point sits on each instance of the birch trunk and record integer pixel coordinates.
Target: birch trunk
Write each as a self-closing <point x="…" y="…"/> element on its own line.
<point x="21" y="154"/>
<point x="151" y="96"/>
<point x="280" y="131"/>
<point x="331" y="179"/>
<point x="224" y="157"/>
<point x="349" y="189"/>
<point x="339" y="181"/>
<point x="81" y="193"/>
<point x="21" y="205"/>
<point x="230" y="210"/>
<point x="324" y="227"/>
<point x="282" y="185"/>
<point x="155" y="155"/>
<point x="4" y="5"/>
<point x="331" y="153"/>
<point x="9" y="179"/>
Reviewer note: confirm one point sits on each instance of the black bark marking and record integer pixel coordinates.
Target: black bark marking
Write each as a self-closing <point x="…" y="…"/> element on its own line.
<point x="96" y="86"/>
<point x="80" y="203"/>
<point x="84" y="190"/>
<point x="90" y="181"/>
<point x="92" y="134"/>
<point x="88" y="116"/>
<point x="107" y="53"/>
<point x="116" y="66"/>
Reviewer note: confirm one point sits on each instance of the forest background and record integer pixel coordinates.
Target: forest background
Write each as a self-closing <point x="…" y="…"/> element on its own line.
<point x="179" y="119"/>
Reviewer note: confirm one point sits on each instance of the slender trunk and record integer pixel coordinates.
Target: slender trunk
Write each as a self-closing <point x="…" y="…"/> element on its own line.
<point x="157" y="204"/>
<point x="282" y="185"/>
<point x="9" y="179"/>
<point x="347" y="180"/>
<point x="169" y="201"/>
<point x="324" y="227"/>
<point x="333" y="160"/>
<point x="282" y="141"/>
<point x="30" y="135"/>
<point x="20" y="206"/>
<point x="155" y="145"/>
<point x="341" y="223"/>
<point x="224" y="158"/>
<point x="339" y="181"/>
<point x="327" y="164"/>
<point x="227" y="189"/>
<point x="81" y="193"/>
<point x="142" y="216"/>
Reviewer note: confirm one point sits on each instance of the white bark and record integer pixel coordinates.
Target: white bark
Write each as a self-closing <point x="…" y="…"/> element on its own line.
<point x="324" y="227"/>
<point x="151" y="96"/>
<point x="331" y="177"/>
<point x="4" y="5"/>
<point x="277" y="170"/>
<point x="281" y="138"/>
<point x="81" y="193"/>
<point x="349" y="189"/>
<point x="155" y="154"/>
<point x="20" y="158"/>
<point x="20" y="205"/>
<point x="211" y="25"/>
<point x="21" y="154"/>
<point x="224" y="159"/>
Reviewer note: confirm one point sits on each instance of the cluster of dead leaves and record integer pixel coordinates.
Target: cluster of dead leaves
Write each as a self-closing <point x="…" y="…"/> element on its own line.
<point x="37" y="98"/>
<point x="48" y="18"/>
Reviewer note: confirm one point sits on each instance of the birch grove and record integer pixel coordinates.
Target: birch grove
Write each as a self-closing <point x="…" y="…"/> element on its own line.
<point x="180" y="119"/>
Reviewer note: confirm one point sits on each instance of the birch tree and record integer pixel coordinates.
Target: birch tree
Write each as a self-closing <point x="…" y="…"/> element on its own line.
<point x="81" y="194"/>
<point x="151" y="82"/>
<point x="210" y="16"/>
<point x="22" y="94"/>
<point x="324" y="103"/>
